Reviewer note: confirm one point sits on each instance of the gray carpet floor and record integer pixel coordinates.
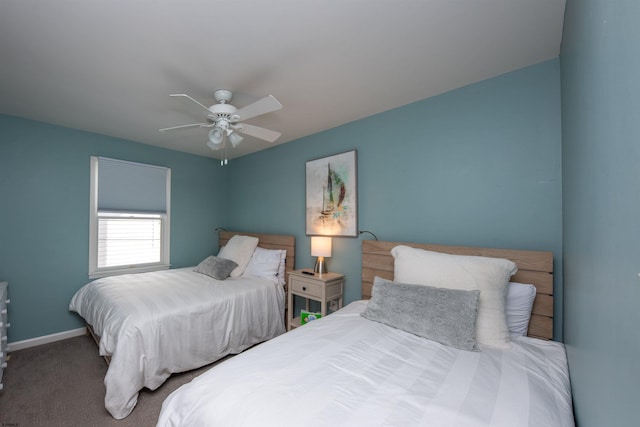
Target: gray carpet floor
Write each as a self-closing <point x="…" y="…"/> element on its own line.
<point x="61" y="384"/>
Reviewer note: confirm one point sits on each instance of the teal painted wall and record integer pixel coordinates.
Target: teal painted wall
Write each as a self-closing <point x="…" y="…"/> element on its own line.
<point x="600" y="61"/>
<point x="477" y="166"/>
<point x="44" y="218"/>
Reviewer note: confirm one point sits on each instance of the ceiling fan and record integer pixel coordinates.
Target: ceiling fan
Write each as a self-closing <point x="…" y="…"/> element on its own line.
<point x="224" y="119"/>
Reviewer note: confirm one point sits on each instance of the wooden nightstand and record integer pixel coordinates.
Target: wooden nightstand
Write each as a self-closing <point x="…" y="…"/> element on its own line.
<point x="323" y="288"/>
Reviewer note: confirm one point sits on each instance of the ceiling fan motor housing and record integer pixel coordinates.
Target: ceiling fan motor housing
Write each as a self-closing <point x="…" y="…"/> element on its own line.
<point x="223" y="95"/>
<point x="222" y="110"/>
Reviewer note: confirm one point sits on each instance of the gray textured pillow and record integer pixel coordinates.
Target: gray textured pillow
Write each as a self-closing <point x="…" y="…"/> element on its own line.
<point x="218" y="268"/>
<point x="447" y="316"/>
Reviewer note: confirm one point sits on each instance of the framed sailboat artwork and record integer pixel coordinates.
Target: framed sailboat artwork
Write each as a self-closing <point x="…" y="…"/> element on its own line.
<point x="332" y="199"/>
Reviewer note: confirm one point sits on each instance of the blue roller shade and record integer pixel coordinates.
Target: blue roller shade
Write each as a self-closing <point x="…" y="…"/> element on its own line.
<point x="131" y="186"/>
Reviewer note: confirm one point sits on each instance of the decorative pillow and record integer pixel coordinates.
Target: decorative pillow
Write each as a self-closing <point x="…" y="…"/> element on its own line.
<point x="239" y="249"/>
<point x="218" y="268"/>
<point x="488" y="275"/>
<point x="447" y="316"/>
<point x="264" y="263"/>
<point x="520" y="298"/>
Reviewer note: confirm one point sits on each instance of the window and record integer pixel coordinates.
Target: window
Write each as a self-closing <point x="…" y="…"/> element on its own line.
<point x="128" y="238"/>
<point x="129" y="224"/>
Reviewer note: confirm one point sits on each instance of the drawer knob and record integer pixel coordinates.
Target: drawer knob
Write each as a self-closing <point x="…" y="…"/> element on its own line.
<point x="304" y="288"/>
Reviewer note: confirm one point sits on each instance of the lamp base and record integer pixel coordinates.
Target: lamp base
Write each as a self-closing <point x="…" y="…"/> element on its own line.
<point x="321" y="266"/>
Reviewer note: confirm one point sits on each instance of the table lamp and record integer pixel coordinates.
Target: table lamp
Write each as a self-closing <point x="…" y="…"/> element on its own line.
<point x="321" y="248"/>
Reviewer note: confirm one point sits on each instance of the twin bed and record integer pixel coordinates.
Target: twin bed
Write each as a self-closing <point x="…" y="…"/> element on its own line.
<point x="347" y="370"/>
<point x="151" y="325"/>
<point x="360" y="366"/>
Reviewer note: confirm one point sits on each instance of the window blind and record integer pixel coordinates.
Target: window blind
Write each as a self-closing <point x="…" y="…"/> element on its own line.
<point x="129" y="240"/>
<point x="130" y="186"/>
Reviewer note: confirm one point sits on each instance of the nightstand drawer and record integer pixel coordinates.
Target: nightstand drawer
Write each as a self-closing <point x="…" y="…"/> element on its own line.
<point x="308" y="288"/>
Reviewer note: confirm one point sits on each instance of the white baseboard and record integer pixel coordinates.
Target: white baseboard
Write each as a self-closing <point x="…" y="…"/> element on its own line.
<point x="33" y="342"/>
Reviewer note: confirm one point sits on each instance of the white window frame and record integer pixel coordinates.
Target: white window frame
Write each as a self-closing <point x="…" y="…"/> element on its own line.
<point x="96" y="272"/>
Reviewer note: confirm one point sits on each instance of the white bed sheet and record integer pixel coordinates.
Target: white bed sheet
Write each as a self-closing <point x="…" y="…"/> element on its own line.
<point x="344" y="370"/>
<point x="159" y="323"/>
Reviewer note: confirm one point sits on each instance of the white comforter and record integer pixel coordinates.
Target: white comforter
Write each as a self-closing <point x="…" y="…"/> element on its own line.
<point x="155" y="324"/>
<point x="344" y="370"/>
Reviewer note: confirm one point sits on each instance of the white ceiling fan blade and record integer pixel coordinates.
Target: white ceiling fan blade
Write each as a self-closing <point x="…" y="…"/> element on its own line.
<point x="191" y="99"/>
<point x="262" y="106"/>
<point x="258" y="132"/>
<point x="186" y="126"/>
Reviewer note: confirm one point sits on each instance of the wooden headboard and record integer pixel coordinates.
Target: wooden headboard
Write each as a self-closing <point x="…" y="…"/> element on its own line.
<point x="533" y="267"/>
<point x="267" y="241"/>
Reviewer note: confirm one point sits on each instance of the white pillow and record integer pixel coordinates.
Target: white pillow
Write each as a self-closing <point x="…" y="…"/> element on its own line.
<point x="239" y="249"/>
<point x="265" y="263"/>
<point x="520" y="298"/>
<point x="489" y="275"/>
<point x="282" y="279"/>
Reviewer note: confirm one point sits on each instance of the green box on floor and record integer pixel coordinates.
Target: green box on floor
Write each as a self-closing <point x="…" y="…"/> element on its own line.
<point x="308" y="316"/>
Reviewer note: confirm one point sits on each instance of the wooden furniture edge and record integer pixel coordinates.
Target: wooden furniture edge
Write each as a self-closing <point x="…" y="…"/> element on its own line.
<point x="96" y="339"/>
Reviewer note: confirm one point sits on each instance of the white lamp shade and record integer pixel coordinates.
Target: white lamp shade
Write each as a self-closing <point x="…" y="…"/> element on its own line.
<point x="321" y="246"/>
<point x="213" y="146"/>
<point x="235" y="139"/>
<point x="215" y="136"/>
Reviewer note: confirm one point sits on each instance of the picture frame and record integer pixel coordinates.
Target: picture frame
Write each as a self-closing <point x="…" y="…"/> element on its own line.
<point x="332" y="195"/>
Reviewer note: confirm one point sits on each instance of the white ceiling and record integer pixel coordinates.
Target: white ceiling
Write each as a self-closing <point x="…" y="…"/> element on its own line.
<point x="108" y="66"/>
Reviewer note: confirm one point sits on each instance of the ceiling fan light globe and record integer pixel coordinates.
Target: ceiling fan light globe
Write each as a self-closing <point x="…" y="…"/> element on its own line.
<point x="215" y="139"/>
<point x="215" y="135"/>
<point x="235" y="139"/>
<point x="214" y="147"/>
